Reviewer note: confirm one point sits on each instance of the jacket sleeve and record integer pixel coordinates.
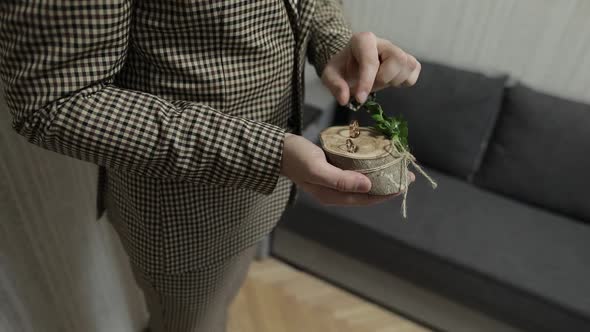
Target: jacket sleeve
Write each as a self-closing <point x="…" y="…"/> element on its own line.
<point x="57" y="63"/>
<point x="330" y="33"/>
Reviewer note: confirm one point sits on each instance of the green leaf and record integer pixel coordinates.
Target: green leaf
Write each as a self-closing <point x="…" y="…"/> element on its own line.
<point x="377" y="117"/>
<point x="403" y="129"/>
<point x="395" y="128"/>
<point x="372" y="107"/>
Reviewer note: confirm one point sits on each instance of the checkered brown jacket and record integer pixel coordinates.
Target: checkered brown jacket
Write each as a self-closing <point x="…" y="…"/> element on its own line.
<point x="183" y="104"/>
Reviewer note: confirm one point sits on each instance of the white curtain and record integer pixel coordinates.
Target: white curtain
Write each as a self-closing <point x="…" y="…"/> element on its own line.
<point x="61" y="270"/>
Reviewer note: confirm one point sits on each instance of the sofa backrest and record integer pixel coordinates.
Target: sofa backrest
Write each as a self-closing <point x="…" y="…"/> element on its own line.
<point x="540" y="152"/>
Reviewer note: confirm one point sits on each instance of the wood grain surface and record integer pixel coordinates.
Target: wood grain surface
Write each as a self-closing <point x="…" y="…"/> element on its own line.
<point x="278" y="298"/>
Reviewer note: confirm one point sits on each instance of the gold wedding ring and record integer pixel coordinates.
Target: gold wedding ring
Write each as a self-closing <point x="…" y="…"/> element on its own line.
<point x="350" y="147"/>
<point x="353" y="129"/>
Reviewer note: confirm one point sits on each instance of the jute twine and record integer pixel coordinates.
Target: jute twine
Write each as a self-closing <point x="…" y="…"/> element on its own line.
<point x="406" y="158"/>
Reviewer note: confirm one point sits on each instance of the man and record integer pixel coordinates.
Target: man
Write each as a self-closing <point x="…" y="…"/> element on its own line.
<point x="192" y="110"/>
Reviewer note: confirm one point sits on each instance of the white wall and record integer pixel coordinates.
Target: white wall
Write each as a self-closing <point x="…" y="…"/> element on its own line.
<point x="544" y="43"/>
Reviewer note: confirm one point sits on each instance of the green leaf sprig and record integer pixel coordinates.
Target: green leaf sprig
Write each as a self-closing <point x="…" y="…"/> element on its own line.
<point x="395" y="128"/>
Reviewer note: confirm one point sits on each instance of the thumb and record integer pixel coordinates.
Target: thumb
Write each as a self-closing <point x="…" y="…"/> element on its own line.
<point x="335" y="82"/>
<point x="341" y="180"/>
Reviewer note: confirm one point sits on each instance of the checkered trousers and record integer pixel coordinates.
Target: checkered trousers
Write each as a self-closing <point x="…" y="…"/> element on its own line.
<point x="183" y="103"/>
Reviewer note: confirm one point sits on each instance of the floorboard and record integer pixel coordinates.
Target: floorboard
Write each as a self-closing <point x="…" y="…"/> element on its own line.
<point x="278" y="298"/>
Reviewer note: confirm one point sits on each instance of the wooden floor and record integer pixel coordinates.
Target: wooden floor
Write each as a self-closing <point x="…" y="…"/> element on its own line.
<point x="279" y="298"/>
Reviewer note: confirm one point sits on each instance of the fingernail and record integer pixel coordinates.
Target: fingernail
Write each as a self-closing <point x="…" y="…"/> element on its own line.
<point x="361" y="97"/>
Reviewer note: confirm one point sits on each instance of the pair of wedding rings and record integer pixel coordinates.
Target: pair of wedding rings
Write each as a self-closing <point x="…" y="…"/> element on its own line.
<point x="353" y="132"/>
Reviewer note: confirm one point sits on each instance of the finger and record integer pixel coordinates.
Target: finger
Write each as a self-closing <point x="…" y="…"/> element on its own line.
<point x="413" y="78"/>
<point x="364" y="51"/>
<point x="337" y="85"/>
<point x="412" y="62"/>
<point x="389" y="54"/>
<point x="345" y="181"/>
<point x="388" y="70"/>
<point x="329" y="196"/>
<point x="404" y="72"/>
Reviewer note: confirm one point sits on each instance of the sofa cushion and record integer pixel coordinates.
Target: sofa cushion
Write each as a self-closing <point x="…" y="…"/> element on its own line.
<point x="450" y="113"/>
<point x="512" y="260"/>
<point x="540" y="152"/>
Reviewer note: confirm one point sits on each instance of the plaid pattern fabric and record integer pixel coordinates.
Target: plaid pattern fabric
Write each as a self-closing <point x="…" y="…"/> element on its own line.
<point x="195" y="301"/>
<point x="183" y="103"/>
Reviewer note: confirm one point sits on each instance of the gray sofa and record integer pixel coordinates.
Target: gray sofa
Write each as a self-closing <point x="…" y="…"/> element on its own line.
<point x="502" y="244"/>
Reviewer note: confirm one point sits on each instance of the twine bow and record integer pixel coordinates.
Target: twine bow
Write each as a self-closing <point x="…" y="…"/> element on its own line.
<point x="406" y="158"/>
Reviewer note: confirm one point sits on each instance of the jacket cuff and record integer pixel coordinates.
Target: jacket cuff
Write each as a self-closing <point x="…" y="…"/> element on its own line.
<point x="265" y="143"/>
